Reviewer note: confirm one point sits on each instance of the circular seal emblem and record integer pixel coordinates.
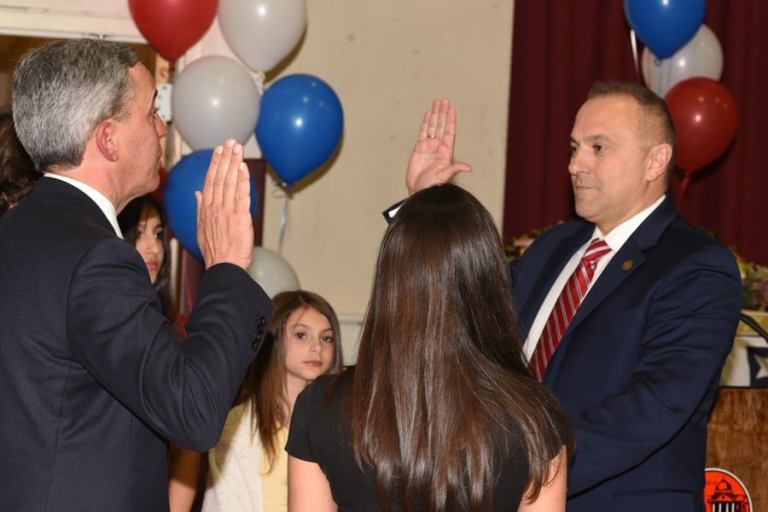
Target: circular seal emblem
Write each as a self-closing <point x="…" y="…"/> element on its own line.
<point x="725" y="492"/>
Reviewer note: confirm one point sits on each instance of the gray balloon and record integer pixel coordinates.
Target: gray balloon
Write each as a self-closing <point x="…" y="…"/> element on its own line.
<point x="214" y="99"/>
<point x="262" y="32"/>
<point x="273" y="272"/>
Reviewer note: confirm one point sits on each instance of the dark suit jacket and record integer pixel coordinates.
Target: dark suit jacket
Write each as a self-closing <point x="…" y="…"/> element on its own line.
<point x="92" y="380"/>
<point x="638" y="367"/>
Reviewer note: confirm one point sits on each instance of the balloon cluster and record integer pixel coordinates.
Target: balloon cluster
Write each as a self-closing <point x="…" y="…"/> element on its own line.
<point x="298" y="121"/>
<point x="682" y="62"/>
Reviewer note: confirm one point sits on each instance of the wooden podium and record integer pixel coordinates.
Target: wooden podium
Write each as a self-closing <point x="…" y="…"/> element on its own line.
<point x="737" y="439"/>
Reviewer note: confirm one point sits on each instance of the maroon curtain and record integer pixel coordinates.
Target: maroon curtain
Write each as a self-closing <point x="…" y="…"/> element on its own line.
<point x="561" y="46"/>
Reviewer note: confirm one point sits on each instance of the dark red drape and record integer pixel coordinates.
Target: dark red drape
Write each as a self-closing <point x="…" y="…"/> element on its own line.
<point x="561" y="46"/>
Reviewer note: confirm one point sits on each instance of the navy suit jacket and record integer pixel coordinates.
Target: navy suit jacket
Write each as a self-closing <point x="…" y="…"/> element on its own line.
<point x="92" y="380"/>
<point x="638" y="367"/>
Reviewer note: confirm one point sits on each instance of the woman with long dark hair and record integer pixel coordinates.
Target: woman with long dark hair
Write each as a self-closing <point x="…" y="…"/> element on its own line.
<point x="441" y="412"/>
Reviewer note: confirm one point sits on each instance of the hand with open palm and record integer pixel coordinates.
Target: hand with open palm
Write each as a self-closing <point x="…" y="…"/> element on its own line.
<point x="431" y="161"/>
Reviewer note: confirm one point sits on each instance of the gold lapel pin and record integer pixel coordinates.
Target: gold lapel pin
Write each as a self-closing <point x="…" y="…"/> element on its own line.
<point x="628" y="264"/>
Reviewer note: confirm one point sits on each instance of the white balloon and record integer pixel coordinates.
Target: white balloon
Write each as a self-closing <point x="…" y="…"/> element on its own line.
<point x="702" y="56"/>
<point x="262" y="32"/>
<point x="214" y="99"/>
<point x="273" y="273"/>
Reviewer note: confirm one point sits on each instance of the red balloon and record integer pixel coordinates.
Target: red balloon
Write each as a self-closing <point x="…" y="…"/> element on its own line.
<point x="705" y="119"/>
<point x="173" y="26"/>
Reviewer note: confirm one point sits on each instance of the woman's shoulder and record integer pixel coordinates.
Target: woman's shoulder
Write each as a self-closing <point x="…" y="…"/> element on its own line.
<point x="322" y="401"/>
<point x="316" y="423"/>
<point x="330" y="389"/>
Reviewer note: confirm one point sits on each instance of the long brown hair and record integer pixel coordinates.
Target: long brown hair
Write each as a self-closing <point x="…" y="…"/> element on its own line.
<point x="264" y="383"/>
<point x="17" y="171"/>
<point x="441" y="388"/>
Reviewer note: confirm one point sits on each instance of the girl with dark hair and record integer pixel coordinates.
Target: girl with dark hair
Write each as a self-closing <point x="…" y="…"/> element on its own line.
<point x="247" y="470"/>
<point x="143" y="223"/>
<point x="441" y="412"/>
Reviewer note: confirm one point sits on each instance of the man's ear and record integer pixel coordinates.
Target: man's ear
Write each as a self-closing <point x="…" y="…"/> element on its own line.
<point x="658" y="158"/>
<point x="105" y="140"/>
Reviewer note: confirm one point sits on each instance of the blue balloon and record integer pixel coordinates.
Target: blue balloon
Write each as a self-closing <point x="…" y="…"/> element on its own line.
<point x="299" y="127"/>
<point x="665" y="25"/>
<point x="187" y="176"/>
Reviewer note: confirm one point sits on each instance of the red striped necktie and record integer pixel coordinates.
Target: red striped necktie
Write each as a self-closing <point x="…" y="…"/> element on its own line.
<point x="565" y="307"/>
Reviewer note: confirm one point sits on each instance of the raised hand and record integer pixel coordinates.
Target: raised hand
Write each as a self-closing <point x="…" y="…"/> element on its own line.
<point x="431" y="161"/>
<point x="224" y="224"/>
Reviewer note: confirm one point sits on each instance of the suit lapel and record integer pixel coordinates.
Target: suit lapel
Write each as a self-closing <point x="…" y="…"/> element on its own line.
<point x="633" y="250"/>
<point x="612" y="276"/>
<point x="550" y="271"/>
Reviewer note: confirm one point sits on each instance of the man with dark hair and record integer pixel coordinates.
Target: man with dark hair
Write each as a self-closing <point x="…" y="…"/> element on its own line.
<point x="629" y="312"/>
<point x="92" y="381"/>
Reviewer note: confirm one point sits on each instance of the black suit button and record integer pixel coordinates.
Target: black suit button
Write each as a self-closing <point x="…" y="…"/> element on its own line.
<point x="260" y="332"/>
<point x="260" y="326"/>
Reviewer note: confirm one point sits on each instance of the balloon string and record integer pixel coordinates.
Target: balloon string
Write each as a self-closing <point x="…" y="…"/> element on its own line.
<point x="260" y="78"/>
<point x="663" y="78"/>
<point x="283" y="223"/>
<point x="633" y="41"/>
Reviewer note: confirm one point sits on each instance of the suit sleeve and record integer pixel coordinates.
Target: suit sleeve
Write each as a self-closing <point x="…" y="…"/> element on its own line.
<point x="117" y="331"/>
<point x="687" y="334"/>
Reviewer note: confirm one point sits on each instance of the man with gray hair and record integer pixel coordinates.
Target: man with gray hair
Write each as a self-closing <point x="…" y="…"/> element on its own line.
<point x="92" y="381"/>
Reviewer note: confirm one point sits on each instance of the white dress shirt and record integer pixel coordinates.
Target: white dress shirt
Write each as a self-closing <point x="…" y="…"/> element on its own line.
<point x="615" y="240"/>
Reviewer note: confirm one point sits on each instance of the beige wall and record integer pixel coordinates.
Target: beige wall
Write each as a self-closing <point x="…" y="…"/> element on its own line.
<point x="386" y="60"/>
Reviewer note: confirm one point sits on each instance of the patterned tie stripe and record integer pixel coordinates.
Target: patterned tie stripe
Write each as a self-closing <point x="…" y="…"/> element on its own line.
<point x="565" y="307"/>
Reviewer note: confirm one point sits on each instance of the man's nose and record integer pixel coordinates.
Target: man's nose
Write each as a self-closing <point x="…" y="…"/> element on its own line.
<point x="576" y="164"/>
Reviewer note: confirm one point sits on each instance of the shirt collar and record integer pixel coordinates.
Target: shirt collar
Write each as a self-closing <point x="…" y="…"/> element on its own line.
<point x="621" y="233"/>
<point x="104" y="204"/>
